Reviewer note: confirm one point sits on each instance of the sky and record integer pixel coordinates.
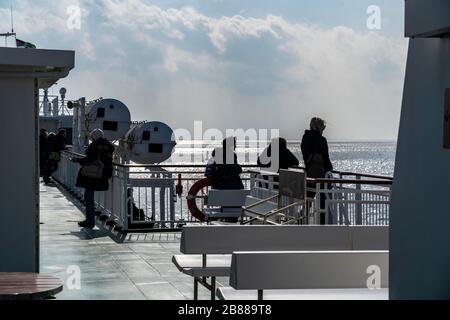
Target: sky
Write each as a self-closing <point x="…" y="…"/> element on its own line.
<point x="231" y="63"/>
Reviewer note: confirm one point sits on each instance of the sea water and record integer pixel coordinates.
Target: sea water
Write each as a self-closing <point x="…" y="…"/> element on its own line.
<point x="375" y="157"/>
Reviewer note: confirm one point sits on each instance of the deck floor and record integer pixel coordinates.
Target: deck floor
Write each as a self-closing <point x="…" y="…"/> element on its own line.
<point x="138" y="267"/>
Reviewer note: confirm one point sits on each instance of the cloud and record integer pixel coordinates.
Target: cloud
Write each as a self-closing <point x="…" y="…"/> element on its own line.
<point x="179" y="65"/>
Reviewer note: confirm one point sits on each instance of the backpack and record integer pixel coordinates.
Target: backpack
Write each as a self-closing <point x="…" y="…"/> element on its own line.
<point x="315" y="166"/>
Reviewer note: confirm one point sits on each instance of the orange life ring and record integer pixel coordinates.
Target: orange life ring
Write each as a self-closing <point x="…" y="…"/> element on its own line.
<point x="192" y="196"/>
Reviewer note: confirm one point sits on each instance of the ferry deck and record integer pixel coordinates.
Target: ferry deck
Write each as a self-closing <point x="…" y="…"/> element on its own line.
<point x="407" y="217"/>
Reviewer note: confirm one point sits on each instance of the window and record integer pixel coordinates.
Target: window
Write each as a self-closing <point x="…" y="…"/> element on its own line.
<point x="110" y="125"/>
<point x="155" y="148"/>
<point x="111" y="106"/>
<point x="146" y="136"/>
<point x="156" y="129"/>
<point x="100" y="112"/>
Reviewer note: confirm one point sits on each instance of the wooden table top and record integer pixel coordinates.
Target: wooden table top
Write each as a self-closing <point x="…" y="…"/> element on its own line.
<point x="28" y="286"/>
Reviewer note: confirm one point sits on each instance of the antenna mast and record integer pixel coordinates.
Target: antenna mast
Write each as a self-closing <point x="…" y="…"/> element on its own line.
<point x="12" y="20"/>
<point x="9" y="34"/>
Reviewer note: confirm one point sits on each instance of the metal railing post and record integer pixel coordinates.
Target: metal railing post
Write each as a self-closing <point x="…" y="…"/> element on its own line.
<point x="172" y="199"/>
<point x="317" y="204"/>
<point x="124" y="199"/>
<point x="358" y="197"/>
<point x="349" y="201"/>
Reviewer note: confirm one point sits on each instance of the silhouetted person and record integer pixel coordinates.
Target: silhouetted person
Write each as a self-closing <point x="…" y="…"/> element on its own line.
<point x="285" y="159"/>
<point x="223" y="168"/>
<point x="43" y="151"/>
<point x="59" y="143"/>
<point x="138" y="213"/>
<point x="315" y="155"/>
<point x="50" y="165"/>
<point x="95" y="172"/>
<point x="56" y="145"/>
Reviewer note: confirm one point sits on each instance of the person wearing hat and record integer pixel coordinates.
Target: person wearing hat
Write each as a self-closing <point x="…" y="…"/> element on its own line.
<point x="56" y="143"/>
<point x="317" y="161"/>
<point x="95" y="172"/>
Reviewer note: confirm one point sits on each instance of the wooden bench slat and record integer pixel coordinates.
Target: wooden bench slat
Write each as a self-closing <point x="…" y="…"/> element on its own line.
<point x="22" y="285"/>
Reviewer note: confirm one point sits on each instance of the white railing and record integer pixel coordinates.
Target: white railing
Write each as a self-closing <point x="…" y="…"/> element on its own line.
<point x="136" y="199"/>
<point x="145" y="197"/>
<point x="349" y="198"/>
<point x="140" y="197"/>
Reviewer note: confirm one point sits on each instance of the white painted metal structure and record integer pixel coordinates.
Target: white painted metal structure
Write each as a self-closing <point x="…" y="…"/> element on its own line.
<point x="22" y="73"/>
<point x="330" y="275"/>
<point x="149" y="143"/>
<point x="110" y="115"/>
<point x="420" y="214"/>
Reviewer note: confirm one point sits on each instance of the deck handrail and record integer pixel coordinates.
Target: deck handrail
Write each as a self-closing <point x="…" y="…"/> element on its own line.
<point x="247" y="166"/>
<point x="159" y="194"/>
<point x="352" y="181"/>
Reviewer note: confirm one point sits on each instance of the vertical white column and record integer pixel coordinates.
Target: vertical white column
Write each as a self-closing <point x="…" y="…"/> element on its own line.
<point x="19" y="205"/>
<point x="420" y="212"/>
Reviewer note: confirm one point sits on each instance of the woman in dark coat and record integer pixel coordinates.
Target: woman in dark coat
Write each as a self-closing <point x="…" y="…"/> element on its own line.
<point x="315" y="144"/>
<point x="99" y="150"/>
<point x="316" y="157"/>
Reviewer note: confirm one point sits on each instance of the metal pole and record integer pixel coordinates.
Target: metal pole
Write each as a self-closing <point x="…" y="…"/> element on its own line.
<point x="171" y="200"/>
<point x="82" y="131"/>
<point x="162" y="208"/>
<point x="55" y="106"/>
<point x="358" y="197"/>
<point x="213" y="288"/>
<point x="260" y="295"/>
<point x="75" y="133"/>
<point x="317" y="203"/>
<point x="195" y="288"/>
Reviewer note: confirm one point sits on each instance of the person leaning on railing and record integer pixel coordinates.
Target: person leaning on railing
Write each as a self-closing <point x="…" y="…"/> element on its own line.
<point x="223" y="167"/>
<point x="56" y="144"/>
<point x="224" y="170"/>
<point x="316" y="158"/>
<point x="284" y="159"/>
<point x="96" y="169"/>
<point x="275" y="157"/>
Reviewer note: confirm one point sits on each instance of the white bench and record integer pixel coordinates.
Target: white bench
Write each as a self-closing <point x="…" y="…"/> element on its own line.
<point x="334" y="275"/>
<point x="225" y="203"/>
<point x="207" y="249"/>
<point x="228" y="293"/>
